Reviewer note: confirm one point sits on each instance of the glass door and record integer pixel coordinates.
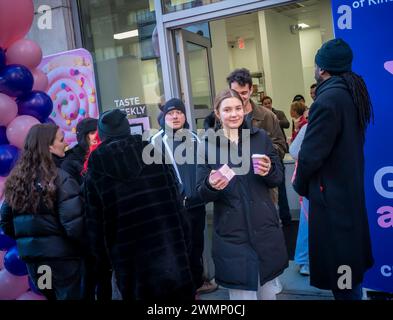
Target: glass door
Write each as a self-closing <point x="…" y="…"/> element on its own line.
<point x="195" y="75"/>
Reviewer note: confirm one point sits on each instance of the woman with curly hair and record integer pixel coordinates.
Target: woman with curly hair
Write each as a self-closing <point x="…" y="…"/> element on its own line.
<point x="43" y="212"/>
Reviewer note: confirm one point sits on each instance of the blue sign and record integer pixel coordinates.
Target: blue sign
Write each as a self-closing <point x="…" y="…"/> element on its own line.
<point x="367" y="25"/>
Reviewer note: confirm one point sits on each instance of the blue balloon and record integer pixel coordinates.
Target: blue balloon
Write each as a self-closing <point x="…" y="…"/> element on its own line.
<point x="49" y="121"/>
<point x="15" y="80"/>
<point x="36" y="103"/>
<point x="2" y="58"/>
<point x="5" y="241"/>
<point x="13" y="264"/>
<point x="3" y="135"/>
<point x="8" y="157"/>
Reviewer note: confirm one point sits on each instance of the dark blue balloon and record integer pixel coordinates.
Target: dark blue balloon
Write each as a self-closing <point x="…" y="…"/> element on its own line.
<point x="37" y="104"/>
<point x="13" y="264"/>
<point x="49" y="121"/>
<point x="5" y="241"/>
<point x="3" y="135"/>
<point x="8" y="156"/>
<point x="2" y="58"/>
<point x="15" y="80"/>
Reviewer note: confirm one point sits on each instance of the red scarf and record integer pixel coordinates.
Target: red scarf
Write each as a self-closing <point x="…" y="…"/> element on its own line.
<point x="91" y="149"/>
<point x="302" y="122"/>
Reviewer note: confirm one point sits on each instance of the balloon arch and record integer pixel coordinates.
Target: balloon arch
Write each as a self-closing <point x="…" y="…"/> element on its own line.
<point x="23" y="103"/>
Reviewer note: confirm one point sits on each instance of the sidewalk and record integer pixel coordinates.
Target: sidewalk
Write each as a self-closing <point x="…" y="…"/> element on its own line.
<point x="295" y="287"/>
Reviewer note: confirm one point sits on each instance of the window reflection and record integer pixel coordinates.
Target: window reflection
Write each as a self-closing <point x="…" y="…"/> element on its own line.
<point x="178" y="5"/>
<point x="122" y="39"/>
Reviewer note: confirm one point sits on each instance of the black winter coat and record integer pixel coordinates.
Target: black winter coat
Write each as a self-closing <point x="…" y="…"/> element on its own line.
<point x="49" y="234"/>
<point x="247" y="237"/>
<point x="73" y="162"/>
<point x="135" y="214"/>
<point x="330" y="174"/>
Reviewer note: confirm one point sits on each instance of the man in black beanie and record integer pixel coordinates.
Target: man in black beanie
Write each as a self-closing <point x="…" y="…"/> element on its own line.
<point x="175" y="132"/>
<point x="330" y="174"/>
<point x="135" y="216"/>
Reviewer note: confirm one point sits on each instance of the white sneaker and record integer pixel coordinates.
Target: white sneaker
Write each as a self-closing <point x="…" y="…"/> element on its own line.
<point x="304" y="270"/>
<point x="277" y="285"/>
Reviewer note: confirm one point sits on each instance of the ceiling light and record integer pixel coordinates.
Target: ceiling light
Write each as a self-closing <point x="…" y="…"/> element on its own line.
<point x="125" y="35"/>
<point x="303" y="25"/>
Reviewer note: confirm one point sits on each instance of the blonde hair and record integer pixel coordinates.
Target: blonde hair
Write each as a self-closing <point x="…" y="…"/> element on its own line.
<point x="225" y="94"/>
<point x="298" y="108"/>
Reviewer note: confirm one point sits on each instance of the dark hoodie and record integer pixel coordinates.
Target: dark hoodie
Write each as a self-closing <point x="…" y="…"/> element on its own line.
<point x="134" y="214"/>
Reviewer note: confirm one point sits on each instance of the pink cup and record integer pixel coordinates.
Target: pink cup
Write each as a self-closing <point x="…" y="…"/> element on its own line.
<point x="255" y="160"/>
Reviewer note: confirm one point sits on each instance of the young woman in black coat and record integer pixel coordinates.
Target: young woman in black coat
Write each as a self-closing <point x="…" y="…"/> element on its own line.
<point x="248" y="244"/>
<point x="86" y="132"/>
<point x="43" y="212"/>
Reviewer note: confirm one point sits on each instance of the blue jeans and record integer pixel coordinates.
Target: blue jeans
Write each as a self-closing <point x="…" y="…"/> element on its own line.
<point x="283" y="207"/>
<point x="301" y="252"/>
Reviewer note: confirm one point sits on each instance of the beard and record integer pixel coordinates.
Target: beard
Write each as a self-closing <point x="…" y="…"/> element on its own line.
<point x="318" y="78"/>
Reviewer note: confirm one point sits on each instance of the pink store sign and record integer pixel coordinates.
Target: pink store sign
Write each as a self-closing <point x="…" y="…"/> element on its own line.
<point x="72" y="89"/>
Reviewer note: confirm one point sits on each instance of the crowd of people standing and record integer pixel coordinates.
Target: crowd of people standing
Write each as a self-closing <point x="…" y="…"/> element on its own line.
<point x="103" y="212"/>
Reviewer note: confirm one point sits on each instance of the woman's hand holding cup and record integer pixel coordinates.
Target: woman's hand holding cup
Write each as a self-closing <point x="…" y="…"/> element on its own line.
<point x="261" y="164"/>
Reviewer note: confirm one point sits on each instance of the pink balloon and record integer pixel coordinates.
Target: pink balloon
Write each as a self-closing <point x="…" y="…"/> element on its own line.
<point x="11" y="287"/>
<point x="2" y="254"/>
<point x="30" y="295"/>
<point x="16" y="17"/>
<point x="18" y="129"/>
<point x="40" y="80"/>
<point x="25" y="52"/>
<point x="8" y="109"/>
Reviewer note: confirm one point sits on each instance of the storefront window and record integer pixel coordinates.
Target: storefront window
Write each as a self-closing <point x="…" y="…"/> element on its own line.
<point x="178" y="5"/>
<point x="122" y="38"/>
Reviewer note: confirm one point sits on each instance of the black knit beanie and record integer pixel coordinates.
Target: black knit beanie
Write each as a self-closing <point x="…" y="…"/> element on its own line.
<point x="173" y="104"/>
<point x="335" y="56"/>
<point x="113" y="124"/>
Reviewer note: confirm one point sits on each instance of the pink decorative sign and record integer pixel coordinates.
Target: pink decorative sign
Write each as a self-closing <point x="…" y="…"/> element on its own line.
<point x="144" y="122"/>
<point x="72" y="89"/>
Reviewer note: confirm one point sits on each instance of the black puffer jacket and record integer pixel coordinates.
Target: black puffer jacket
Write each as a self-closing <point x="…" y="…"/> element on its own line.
<point x="134" y="213"/>
<point x="73" y="162"/>
<point x="48" y="234"/>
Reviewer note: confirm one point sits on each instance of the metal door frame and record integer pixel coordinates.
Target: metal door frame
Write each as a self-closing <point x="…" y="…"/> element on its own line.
<point x="184" y="37"/>
<point x="167" y="23"/>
